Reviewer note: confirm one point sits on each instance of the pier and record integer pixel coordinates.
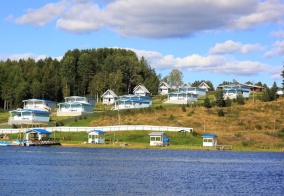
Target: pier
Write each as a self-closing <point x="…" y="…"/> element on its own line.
<point x="223" y="147"/>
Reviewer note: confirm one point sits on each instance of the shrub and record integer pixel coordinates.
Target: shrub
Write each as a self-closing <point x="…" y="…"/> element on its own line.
<point x="171" y="117"/>
<point x="258" y="127"/>
<point x="221" y="113"/>
<point x="183" y="108"/>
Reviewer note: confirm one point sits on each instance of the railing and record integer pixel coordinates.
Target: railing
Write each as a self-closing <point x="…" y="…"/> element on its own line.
<point x="108" y="128"/>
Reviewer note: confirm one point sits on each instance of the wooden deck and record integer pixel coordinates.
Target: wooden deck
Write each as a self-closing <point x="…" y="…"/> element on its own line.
<point x="223" y="147"/>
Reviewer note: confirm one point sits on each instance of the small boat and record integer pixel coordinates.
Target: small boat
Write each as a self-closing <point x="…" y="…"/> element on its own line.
<point x="23" y="142"/>
<point x="5" y="143"/>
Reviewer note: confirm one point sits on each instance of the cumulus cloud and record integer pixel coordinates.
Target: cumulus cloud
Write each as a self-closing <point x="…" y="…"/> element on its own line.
<point x="217" y="64"/>
<point x="155" y="19"/>
<point x="234" y="47"/>
<point x="278" y="49"/>
<point x="44" y="15"/>
<point x="278" y="34"/>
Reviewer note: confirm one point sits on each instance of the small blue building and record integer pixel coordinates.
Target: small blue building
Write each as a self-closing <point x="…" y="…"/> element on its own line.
<point x="209" y="140"/>
<point x="96" y="136"/>
<point x="37" y="134"/>
<point x="132" y="101"/>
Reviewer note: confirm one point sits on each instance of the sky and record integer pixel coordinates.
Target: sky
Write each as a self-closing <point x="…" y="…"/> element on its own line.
<point x="218" y="40"/>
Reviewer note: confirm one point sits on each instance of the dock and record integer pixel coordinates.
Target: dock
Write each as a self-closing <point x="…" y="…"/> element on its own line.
<point x="223" y="147"/>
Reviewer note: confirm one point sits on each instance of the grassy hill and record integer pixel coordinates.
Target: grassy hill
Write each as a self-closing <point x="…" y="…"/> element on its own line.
<point x="255" y="125"/>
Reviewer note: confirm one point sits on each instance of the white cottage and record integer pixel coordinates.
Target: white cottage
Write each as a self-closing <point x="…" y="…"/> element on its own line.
<point x="109" y="97"/>
<point x="164" y="88"/>
<point x="159" y="139"/>
<point x="204" y="86"/>
<point x="76" y="106"/>
<point x="209" y="140"/>
<point x="141" y="90"/>
<point x="96" y="136"/>
<point x="39" y="104"/>
<point x="132" y="101"/>
<point x="24" y="116"/>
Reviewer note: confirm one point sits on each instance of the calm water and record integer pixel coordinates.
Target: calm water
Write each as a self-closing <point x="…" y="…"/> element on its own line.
<point x="84" y="171"/>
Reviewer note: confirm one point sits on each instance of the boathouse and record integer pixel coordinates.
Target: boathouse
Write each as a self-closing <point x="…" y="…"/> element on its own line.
<point x="209" y="139"/>
<point x="159" y="139"/>
<point x="96" y="136"/>
<point x="37" y="134"/>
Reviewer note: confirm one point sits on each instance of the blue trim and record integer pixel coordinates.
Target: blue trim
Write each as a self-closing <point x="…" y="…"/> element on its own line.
<point x="209" y="135"/>
<point x="41" y="131"/>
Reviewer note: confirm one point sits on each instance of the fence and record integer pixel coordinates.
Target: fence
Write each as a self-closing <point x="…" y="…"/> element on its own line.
<point x="107" y="129"/>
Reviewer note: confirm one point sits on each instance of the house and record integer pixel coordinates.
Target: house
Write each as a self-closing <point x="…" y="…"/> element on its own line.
<point x="204" y="86"/>
<point x="159" y="139"/>
<point x="186" y="85"/>
<point x="76" y="106"/>
<point x="182" y="97"/>
<point x="26" y="116"/>
<point x="250" y="87"/>
<point x="201" y="92"/>
<point x="141" y="90"/>
<point x="39" y="104"/>
<point x="231" y="91"/>
<point x="132" y="101"/>
<point x="209" y="140"/>
<point x="164" y="88"/>
<point x="109" y="97"/>
<point x="37" y="134"/>
<point x="96" y="136"/>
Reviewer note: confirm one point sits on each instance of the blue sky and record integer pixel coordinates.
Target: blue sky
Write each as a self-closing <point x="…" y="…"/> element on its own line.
<point x="216" y="40"/>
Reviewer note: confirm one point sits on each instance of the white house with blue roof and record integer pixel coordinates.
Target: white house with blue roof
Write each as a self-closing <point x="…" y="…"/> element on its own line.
<point x="26" y="116"/>
<point x="231" y="91"/>
<point x="96" y="137"/>
<point x="209" y="140"/>
<point x="76" y="106"/>
<point x="37" y="134"/>
<point x="39" y="104"/>
<point x="132" y="101"/>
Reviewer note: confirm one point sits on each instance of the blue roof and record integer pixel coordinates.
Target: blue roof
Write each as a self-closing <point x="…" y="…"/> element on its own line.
<point x="45" y="100"/>
<point x="209" y="135"/>
<point x="97" y="131"/>
<point x="41" y="131"/>
<point x="27" y="110"/>
<point x="74" y="103"/>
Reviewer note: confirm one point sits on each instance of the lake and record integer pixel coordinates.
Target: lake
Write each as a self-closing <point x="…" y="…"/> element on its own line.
<point x="96" y="171"/>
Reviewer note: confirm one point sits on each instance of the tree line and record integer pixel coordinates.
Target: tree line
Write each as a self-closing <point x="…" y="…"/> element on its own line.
<point x="80" y="72"/>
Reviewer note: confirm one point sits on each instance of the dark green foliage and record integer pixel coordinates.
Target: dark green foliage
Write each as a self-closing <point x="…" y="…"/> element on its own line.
<point x="171" y="117"/>
<point x="258" y="127"/>
<point x="240" y="100"/>
<point x="183" y="108"/>
<point x="80" y="72"/>
<point x="219" y="97"/>
<point x="221" y="113"/>
<point x="228" y="102"/>
<point x="270" y="93"/>
<point x="207" y="103"/>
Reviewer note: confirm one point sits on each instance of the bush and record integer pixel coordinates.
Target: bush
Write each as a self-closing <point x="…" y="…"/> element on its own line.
<point x="183" y="108"/>
<point x="221" y="113"/>
<point x="258" y="127"/>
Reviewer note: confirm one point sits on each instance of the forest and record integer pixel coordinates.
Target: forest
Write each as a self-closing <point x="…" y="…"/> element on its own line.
<point x="80" y="72"/>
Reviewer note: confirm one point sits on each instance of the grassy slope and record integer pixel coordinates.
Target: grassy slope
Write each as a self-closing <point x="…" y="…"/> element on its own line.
<point x="249" y="126"/>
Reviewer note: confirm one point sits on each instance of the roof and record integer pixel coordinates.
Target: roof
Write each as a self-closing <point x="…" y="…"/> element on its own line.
<point x="96" y="131"/>
<point x="43" y="100"/>
<point x="110" y="92"/>
<point x="209" y="135"/>
<point x="144" y="89"/>
<point x="164" y="84"/>
<point x="27" y="110"/>
<point x="74" y="103"/>
<point x="203" y="84"/>
<point x="36" y="130"/>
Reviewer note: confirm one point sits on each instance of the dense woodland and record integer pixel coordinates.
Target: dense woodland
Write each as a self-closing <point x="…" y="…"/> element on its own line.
<point x="79" y="72"/>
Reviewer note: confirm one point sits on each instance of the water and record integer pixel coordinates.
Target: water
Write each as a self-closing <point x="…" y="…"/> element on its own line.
<point x="91" y="171"/>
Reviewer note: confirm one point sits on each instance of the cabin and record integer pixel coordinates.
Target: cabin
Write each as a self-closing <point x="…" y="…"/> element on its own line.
<point x="141" y="90"/>
<point x="209" y="140"/>
<point x="26" y="116"/>
<point x="96" y="137"/>
<point x="182" y="98"/>
<point x="35" y="134"/>
<point x="131" y="103"/>
<point x="201" y="92"/>
<point x="164" y="88"/>
<point x="159" y="139"/>
<point x="204" y="86"/>
<point x="39" y="104"/>
<point x="109" y="97"/>
<point x="231" y="91"/>
<point x="76" y="106"/>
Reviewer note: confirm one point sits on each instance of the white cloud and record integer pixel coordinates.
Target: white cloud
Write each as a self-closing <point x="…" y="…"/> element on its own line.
<point x="44" y="15"/>
<point x="234" y="47"/>
<point x="217" y="64"/>
<point x="269" y="11"/>
<point x="278" y="34"/>
<point x="155" y="19"/>
<point x="26" y="56"/>
<point x="278" y="49"/>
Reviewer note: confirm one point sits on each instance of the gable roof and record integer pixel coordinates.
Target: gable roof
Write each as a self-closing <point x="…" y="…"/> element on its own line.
<point x="143" y="88"/>
<point x="40" y="131"/>
<point x="186" y="85"/>
<point x="164" y="84"/>
<point x="42" y="100"/>
<point x="109" y="92"/>
<point x="203" y="84"/>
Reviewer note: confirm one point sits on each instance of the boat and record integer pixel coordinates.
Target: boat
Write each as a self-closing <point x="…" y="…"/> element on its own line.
<point x="24" y="142"/>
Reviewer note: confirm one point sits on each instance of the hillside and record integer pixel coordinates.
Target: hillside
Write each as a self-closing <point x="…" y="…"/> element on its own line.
<point x="258" y="124"/>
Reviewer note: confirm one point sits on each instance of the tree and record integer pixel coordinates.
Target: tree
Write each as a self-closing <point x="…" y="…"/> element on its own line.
<point x="240" y="99"/>
<point x="219" y="97"/>
<point x="207" y="103"/>
<point x="282" y="74"/>
<point x="175" y="78"/>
